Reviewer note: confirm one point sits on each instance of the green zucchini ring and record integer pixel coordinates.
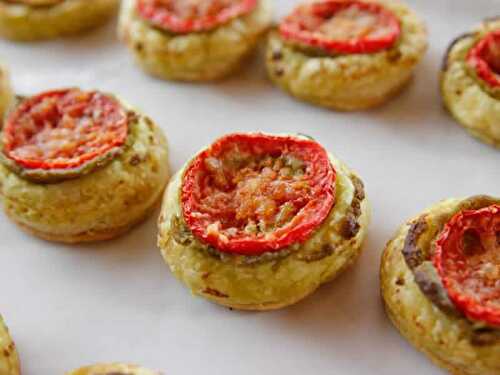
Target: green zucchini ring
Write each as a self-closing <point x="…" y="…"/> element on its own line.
<point x="205" y="55"/>
<point x="30" y="20"/>
<point x="421" y="307"/>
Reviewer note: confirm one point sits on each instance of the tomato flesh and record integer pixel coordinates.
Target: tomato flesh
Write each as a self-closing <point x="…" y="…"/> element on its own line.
<point x="467" y="258"/>
<point x="64" y="129"/>
<point x="253" y="193"/>
<point x="186" y="16"/>
<point x="484" y="57"/>
<point x="342" y="26"/>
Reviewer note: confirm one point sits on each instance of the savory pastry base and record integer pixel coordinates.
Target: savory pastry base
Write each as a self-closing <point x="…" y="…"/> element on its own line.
<point x="6" y="94"/>
<point x="27" y="23"/>
<point x="9" y="360"/>
<point x="349" y="82"/>
<point x="89" y="236"/>
<point x="114" y="368"/>
<point x="442" y="337"/>
<point x="200" y="56"/>
<point x="97" y="206"/>
<point x="463" y="95"/>
<point x="271" y="280"/>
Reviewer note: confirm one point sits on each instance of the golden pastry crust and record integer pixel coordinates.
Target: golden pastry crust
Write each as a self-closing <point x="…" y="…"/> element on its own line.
<point x="349" y="82"/>
<point x="97" y="206"/>
<point x="449" y="340"/>
<point x="464" y="96"/>
<point x="6" y="94"/>
<point x="9" y="359"/>
<point x="201" y="56"/>
<point x="22" y="22"/>
<point x="269" y="281"/>
<point x="113" y="368"/>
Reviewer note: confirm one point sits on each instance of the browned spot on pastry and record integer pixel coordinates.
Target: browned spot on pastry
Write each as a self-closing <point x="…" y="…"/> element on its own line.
<point x="411" y="252"/>
<point x="149" y="123"/>
<point x="135" y="160"/>
<point x="279" y="72"/>
<point x="394" y="55"/>
<point x="205" y="275"/>
<point x="132" y="117"/>
<point x="139" y="47"/>
<point x="277" y="55"/>
<point x="400" y="281"/>
<point x="6" y="353"/>
<point x="485" y="337"/>
<point x="215" y="293"/>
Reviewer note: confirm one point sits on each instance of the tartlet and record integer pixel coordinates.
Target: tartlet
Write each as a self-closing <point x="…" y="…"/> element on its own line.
<point x="192" y="41"/>
<point x="113" y="369"/>
<point x="440" y="284"/>
<point x="259" y="221"/>
<point x="346" y="54"/>
<point x="470" y="81"/>
<point x="80" y="166"/>
<point x="29" y="20"/>
<point x="9" y="359"/>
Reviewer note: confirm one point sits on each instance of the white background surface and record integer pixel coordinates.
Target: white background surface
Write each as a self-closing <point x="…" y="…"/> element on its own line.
<point x="117" y="301"/>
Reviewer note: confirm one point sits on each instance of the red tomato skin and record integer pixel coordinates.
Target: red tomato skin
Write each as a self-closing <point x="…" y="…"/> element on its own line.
<point x="471" y="308"/>
<point x="251" y="245"/>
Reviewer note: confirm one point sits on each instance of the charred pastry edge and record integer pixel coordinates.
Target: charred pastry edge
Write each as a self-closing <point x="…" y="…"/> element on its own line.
<point x="476" y="35"/>
<point x="416" y="259"/>
<point x="51" y="176"/>
<point x="349" y="229"/>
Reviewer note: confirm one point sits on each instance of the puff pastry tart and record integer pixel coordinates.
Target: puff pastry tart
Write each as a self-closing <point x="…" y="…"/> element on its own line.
<point x="258" y="221"/>
<point x="27" y="20"/>
<point x="346" y="54"/>
<point x="440" y="280"/>
<point x="9" y="359"/>
<point x="470" y="81"/>
<point x="80" y="165"/>
<point x="113" y="369"/>
<point x="192" y="40"/>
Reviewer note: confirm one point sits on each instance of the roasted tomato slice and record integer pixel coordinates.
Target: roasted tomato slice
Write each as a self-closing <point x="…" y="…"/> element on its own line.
<point x="187" y="16"/>
<point x="64" y="129"/>
<point x="253" y="193"/>
<point x="484" y="58"/>
<point x="467" y="257"/>
<point x="341" y="26"/>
